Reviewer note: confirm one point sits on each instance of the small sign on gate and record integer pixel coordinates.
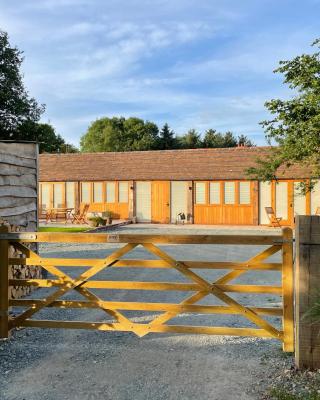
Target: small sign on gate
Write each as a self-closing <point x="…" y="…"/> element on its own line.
<point x="113" y="238"/>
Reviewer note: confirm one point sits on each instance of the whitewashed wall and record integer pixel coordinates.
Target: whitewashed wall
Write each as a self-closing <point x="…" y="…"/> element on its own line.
<point x="18" y="184"/>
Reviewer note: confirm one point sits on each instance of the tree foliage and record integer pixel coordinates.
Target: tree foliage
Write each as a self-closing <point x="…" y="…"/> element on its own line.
<point x="295" y="126"/>
<point x="191" y="140"/>
<point x="167" y="138"/>
<point x="120" y="134"/>
<point x="20" y="113"/>
<point x="16" y="106"/>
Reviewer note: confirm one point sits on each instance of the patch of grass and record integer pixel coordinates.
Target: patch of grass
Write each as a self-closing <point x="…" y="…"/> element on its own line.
<point x="280" y="394"/>
<point x="75" y="229"/>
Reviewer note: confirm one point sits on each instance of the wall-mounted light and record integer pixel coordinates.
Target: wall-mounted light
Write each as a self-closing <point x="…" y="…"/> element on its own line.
<point x="190" y="187"/>
<point x="131" y="187"/>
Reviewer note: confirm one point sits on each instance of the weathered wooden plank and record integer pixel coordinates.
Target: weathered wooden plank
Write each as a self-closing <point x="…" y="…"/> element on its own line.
<point x="11" y="159"/>
<point x="19" y="210"/>
<point x="307" y="283"/>
<point x="24" y="150"/>
<point x="4" y="288"/>
<point x="28" y="220"/>
<point x="14" y="170"/>
<point x="29" y="180"/>
<point x="9" y="201"/>
<point x="18" y="191"/>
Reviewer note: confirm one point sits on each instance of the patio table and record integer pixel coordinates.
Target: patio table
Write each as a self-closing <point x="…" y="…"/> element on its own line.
<point x="53" y="213"/>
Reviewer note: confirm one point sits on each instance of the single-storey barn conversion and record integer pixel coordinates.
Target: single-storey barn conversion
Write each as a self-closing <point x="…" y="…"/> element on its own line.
<point x="209" y="186"/>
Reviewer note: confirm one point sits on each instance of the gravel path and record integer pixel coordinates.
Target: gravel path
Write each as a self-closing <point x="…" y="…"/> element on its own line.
<point x="69" y="364"/>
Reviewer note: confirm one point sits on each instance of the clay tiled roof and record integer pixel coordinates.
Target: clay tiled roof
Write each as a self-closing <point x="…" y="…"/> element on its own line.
<point x="195" y="164"/>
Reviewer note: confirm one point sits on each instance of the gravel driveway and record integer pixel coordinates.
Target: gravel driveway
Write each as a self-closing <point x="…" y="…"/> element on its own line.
<point x="72" y="364"/>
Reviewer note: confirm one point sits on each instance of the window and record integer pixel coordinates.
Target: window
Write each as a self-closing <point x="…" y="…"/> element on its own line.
<point x="97" y="192"/>
<point x="45" y="195"/>
<point x="58" y="200"/>
<point x="315" y="197"/>
<point x="282" y="199"/>
<point x="86" y="192"/>
<point x="123" y="192"/>
<point x="244" y="193"/>
<point x="214" y="193"/>
<point x="70" y="198"/>
<point x="229" y="192"/>
<point x="200" y="193"/>
<point x="111" y="192"/>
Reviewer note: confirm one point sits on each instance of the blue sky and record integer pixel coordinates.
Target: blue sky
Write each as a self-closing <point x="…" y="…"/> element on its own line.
<point x="192" y="63"/>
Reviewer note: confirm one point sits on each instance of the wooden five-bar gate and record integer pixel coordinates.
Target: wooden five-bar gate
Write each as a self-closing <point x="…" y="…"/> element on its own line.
<point x="200" y="287"/>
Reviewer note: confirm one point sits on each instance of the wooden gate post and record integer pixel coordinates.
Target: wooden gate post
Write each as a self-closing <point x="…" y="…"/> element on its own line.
<point x="307" y="284"/>
<point x="287" y="289"/>
<point x="4" y="285"/>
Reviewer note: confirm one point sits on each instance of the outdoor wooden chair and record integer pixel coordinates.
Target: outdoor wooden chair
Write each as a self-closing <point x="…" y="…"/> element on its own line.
<point x="80" y="216"/>
<point x="274" y="220"/>
<point x="317" y="211"/>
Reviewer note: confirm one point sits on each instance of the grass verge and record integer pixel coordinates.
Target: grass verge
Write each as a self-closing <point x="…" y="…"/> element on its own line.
<point x="73" y="229"/>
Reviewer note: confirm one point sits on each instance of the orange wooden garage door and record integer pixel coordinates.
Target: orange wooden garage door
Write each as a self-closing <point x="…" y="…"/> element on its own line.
<point x="160" y="198"/>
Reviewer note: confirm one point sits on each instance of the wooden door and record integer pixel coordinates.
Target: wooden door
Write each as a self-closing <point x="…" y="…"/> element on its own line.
<point x="160" y="202"/>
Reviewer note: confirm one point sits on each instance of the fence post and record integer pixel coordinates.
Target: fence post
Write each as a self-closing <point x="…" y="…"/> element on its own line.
<point x="307" y="284"/>
<point x="4" y="285"/>
<point x="287" y="290"/>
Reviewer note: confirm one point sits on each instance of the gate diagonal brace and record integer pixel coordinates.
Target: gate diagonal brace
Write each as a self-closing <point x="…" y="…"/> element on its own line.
<point x="211" y="289"/>
<point x="69" y="284"/>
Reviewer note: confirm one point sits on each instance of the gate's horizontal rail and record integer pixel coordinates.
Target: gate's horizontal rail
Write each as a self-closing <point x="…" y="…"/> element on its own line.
<point x="149" y="286"/>
<point x="60" y="237"/>
<point x="104" y="326"/>
<point x="76" y="262"/>
<point x="139" y="306"/>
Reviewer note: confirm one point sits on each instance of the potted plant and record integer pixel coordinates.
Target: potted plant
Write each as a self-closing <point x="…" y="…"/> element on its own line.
<point x="107" y="216"/>
<point x="95" y="221"/>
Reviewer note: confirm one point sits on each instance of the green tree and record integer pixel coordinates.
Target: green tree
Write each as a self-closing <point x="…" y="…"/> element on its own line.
<point x="17" y="108"/>
<point x="244" y="141"/>
<point x="295" y="125"/>
<point x="191" y="140"/>
<point x="120" y="134"/>
<point x="213" y="139"/>
<point x="45" y="135"/>
<point x="167" y="138"/>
